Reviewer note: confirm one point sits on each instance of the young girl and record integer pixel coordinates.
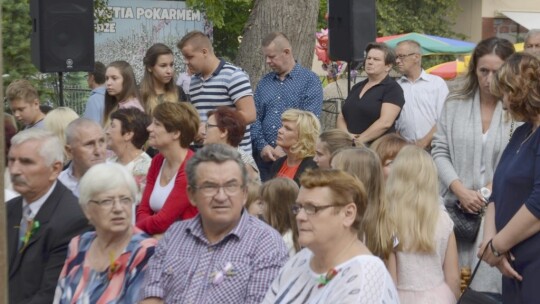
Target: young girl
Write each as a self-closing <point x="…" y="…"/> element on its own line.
<point x="158" y="83"/>
<point x="376" y="229"/>
<point x="121" y="89"/>
<point x="254" y="205"/>
<point x="278" y="195"/>
<point x="329" y="142"/>
<point x="427" y="259"/>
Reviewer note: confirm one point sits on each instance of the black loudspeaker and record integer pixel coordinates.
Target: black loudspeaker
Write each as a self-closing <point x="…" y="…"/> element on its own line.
<point x="351" y="26"/>
<point x="62" y="38"/>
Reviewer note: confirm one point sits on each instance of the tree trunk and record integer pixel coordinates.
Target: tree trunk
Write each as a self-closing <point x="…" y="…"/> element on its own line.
<point x="3" y="221"/>
<point x="297" y="19"/>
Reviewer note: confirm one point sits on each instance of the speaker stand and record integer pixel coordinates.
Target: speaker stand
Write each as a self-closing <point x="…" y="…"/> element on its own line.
<point x="60" y="89"/>
<point x="348" y="77"/>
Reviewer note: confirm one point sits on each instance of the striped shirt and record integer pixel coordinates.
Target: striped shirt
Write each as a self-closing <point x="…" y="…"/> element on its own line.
<point x="224" y="87"/>
<point x="186" y="267"/>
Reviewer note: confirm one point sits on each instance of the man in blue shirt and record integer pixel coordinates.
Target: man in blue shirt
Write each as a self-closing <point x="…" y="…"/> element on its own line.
<point x="289" y="85"/>
<point x="95" y="106"/>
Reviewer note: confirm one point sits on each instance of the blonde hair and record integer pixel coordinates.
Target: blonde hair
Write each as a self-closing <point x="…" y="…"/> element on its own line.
<point x="412" y="191"/>
<point x="308" y="127"/>
<point x="335" y="139"/>
<point x="279" y="194"/>
<point x="388" y="146"/>
<point x="57" y="121"/>
<point x="253" y="190"/>
<point x="377" y="225"/>
<point x="21" y="89"/>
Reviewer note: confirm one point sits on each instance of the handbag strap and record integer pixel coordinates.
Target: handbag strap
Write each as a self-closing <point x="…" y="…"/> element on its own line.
<point x="477" y="266"/>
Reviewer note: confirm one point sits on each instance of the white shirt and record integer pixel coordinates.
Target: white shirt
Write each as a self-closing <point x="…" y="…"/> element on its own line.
<point x="9" y="194"/>
<point x="68" y="179"/>
<point x="424" y="100"/>
<point x="360" y="280"/>
<point x="36" y="205"/>
<point x="161" y="193"/>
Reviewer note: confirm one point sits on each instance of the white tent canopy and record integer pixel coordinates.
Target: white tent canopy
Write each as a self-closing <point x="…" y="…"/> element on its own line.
<point x="529" y="20"/>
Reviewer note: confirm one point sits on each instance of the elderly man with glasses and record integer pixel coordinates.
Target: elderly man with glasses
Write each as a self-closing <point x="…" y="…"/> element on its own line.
<point x="224" y="255"/>
<point x="424" y="95"/>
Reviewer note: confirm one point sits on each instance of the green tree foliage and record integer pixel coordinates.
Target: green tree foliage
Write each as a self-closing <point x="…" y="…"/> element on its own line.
<point x="228" y="18"/>
<point x="434" y="17"/>
<point x="16" y="28"/>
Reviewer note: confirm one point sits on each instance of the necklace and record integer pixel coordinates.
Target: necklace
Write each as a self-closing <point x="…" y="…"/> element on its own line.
<point x="533" y="130"/>
<point x="332" y="273"/>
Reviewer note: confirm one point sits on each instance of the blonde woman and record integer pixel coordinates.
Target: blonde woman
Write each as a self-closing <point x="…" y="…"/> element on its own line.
<point x="278" y="196"/>
<point x="376" y="229"/>
<point x="56" y="121"/>
<point x="297" y="137"/>
<point x="427" y="258"/>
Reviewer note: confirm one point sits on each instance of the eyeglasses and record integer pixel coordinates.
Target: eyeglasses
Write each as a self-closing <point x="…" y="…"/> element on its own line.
<point x="403" y="56"/>
<point x="309" y="208"/>
<point x="207" y="125"/>
<point x="109" y="202"/>
<point x="213" y="189"/>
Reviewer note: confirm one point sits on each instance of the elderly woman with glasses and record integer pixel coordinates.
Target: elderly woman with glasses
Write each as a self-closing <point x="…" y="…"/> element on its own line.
<point x="106" y="265"/>
<point x="225" y="125"/>
<point x="335" y="266"/>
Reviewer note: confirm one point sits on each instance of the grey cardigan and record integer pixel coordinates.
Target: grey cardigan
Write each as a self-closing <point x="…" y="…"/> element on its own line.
<point x="457" y="143"/>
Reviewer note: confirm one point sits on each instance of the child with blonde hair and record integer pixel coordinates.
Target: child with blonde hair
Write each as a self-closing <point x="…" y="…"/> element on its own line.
<point x="254" y="205"/>
<point x="376" y="229"/>
<point x="278" y="196"/>
<point x="427" y="259"/>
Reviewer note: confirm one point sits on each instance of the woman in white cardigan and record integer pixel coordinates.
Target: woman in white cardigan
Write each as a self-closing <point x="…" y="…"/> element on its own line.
<point x="471" y="135"/>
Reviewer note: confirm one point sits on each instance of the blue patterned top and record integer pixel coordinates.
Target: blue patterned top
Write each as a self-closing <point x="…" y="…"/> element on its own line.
<point x="78" y="283"/>
<point x="301" y="89"/>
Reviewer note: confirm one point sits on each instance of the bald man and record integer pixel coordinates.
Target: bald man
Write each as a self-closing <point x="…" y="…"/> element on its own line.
<point x="215" y="83"/>
<point x="289" y="85"/>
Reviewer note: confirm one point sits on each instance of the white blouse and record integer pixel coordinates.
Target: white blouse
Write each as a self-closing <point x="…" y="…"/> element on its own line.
<point x="362" y="279"/>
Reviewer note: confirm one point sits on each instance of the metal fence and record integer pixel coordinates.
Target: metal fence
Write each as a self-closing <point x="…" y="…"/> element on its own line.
<point x="75" y="97"/>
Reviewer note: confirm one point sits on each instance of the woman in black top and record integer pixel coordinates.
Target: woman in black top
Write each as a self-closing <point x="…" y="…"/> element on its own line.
<point x="373" y="105"/>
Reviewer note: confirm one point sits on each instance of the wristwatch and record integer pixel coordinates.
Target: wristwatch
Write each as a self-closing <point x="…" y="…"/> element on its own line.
<point x="486" y="193"/>
<point x="493" y="250"/>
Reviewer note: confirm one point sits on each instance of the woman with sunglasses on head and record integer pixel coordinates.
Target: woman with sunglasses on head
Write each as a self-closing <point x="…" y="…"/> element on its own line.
<point x="335" y="266"/>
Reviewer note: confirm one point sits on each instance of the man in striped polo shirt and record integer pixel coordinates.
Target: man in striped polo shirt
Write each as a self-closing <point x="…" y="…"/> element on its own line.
<point x="216" y="83"/>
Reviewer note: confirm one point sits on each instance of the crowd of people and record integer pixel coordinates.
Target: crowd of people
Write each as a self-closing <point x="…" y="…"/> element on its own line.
<point x="213" y="192"/>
